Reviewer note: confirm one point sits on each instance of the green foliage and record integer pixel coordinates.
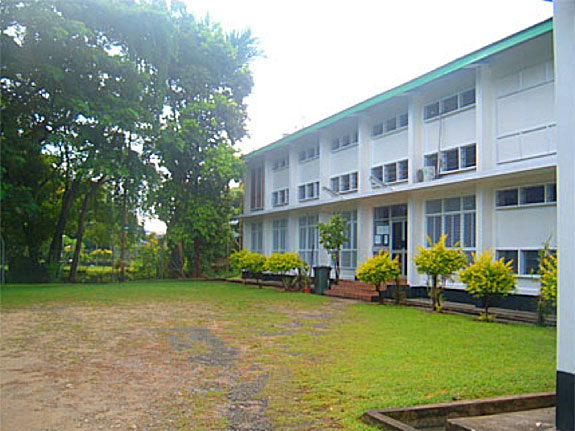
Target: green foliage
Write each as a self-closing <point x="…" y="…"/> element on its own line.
<point x="332" y="237"/>
<point x="548" y="272"/>
<point x="285" y="263"/>
<point x="486" y="277"/>
<point x="250" y="262"/>
<point x="379" y="269"/>
<point x="439" y="263"/>
<point x="150" y="262"/>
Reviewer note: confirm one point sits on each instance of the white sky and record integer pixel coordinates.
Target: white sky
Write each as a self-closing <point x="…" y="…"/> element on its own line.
<point x="323" y="56"/>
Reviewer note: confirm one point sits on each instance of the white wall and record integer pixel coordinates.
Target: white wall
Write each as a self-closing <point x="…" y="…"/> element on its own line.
<point x="449" y="131"/>
<point x="389" y="148"/>
<point x="344" y="161"/>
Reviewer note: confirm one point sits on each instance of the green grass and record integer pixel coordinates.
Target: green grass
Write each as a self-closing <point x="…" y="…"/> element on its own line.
<point x="367" y="356"/>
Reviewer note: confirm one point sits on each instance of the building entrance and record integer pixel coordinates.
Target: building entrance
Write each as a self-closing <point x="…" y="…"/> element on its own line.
<point x="390" y="232"/>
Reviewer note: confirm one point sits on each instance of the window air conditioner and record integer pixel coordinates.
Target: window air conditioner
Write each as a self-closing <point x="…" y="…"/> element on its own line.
<point x="427" y="173"/>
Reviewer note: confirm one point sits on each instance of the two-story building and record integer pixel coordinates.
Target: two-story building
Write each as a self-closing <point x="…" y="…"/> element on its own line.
<point x="467" y="150"/>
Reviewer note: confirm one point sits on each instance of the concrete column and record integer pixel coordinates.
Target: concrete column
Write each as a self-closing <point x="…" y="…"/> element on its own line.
<point x="323" y="256"/>
<point x="564" y="44"/>
<point x="267" y="236"/>
<point x="293" y="231"/>
<point x="364" y="232"/>
<point x="293" y="175"/>
<point x="414" y="136"/>
<point x="415" y="236"/>
<point x="268" y="185"/>
<point x="324" y="164"/>
<point x="364" y="155"/>
<point x="484" y="118"/>
<point x="485" y="216"/>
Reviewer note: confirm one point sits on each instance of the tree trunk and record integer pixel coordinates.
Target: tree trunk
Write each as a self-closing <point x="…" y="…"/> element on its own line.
<point x="197" y="258"/>
<point x="486" y="306"/>
<point x="80" y="232"/>
<point x="180" y="261"/>
<point x="55" y="252"/>
<point x="123" y="238"/>
<point x="337" y="269"/>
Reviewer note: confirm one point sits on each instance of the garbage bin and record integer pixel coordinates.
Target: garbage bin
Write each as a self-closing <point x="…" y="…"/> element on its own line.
<point x="321" y="278"/>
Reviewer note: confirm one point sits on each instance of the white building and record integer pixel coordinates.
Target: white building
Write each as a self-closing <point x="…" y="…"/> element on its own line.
<point x="468" y="150"/>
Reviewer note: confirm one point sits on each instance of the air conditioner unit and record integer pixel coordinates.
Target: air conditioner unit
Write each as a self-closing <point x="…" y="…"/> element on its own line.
<point x="427" y="173"/>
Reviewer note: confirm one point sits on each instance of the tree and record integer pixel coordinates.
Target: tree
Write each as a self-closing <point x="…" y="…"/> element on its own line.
<point x="548" y="282"/>
<point x="285" y="263"/>
<point x="440" y="264"/>
<point x="486" y="277"/>
<point x="332" y="236"/>
<point x="379" y="270"/>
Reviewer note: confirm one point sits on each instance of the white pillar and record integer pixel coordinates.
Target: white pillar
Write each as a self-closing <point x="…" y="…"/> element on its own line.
<point x="484" y="124"/>
<point x="564" y="44"/>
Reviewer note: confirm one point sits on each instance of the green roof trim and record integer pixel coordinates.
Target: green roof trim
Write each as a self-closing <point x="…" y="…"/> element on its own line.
<point x="453" y="66"/>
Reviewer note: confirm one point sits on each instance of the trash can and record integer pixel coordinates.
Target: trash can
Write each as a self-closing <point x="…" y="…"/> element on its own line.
<point x="321" y="278"/>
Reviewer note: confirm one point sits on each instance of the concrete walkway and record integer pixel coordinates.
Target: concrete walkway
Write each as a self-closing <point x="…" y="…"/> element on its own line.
<point x="527" y="420"/>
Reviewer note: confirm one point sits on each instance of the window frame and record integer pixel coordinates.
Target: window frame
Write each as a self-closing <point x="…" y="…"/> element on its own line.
<point x="280" y="235"/>
<point x="306" y="153"/>
<point x="305" y="187"/>
<point x="345" y="140"/>
<point x="280" y="164"/>
<point x="352" y="179"/>
<point x="382" y="125"/>
<point x="435" y="109"/>
<point x="276" y="202"/>
<point x="549" y="195"/>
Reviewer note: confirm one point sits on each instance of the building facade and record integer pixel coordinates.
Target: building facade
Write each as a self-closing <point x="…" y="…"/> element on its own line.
<point x="467" y="150"/>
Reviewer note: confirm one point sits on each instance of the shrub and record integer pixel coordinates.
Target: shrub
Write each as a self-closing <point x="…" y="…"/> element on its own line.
<point x="548" y="281"/>
<point x="439" y="263"/>
<point x="284" y="263"/>
<point x="250" y="262"/>
<point x="378" y="270"/>
<point x="486" y="277"/>
<point x="332" y="237"/>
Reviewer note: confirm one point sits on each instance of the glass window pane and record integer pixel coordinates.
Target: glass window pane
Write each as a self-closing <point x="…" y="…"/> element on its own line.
<point x="468" y="97"/>
<point x="433" y="229"/>
<point x="402" y="120"/>
<point x="431" y="110"/>
<point x="390" y="173"/>
<point x="449" y="104"/>
<point x="399" y="210"/>
<point x="430" y="160"/>
<point x="377" y="172"/>
<point x="529" y="262"/>
<point x="402" y="170"/>
<point x="551" y="194"/>
<point x="469" y="230"/>
<point x="433" y="207"/>
<point x="468" y="156"/>
<point x="507" y="198"/>
<point x="532" y="195"/>
<point x="450" y="160"/>
<point x="469" y="203"/>
<point x="381" y="213"/>
<point x="377" y="129"/>
<point x="452" y="204"/>
<point x="390" y="124"/>
<point x="509" y="255"/>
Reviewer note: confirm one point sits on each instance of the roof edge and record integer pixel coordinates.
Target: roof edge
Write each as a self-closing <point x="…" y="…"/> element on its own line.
<point x="454" y="65"/>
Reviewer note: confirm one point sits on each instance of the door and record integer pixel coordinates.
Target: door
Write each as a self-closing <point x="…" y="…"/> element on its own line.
<point x="399" y="243"/>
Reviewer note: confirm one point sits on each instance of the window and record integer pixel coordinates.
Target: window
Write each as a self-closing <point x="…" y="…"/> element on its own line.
<point x="467" y="98"/>
<point x="532" y="195"/>
<point x="309" y="153"/>
<point x="402" y="170"/>
<point x="309" y="239"/>
<point x="468" y="156"/>
<point x="344" y="140"/>
<point x="454" y="217"/>
<point x="528" y="195"/>
<point x="450" y="160"/>
<point x="431" y="111"/>
<point x="344" y="183"/>
<point x="257" y="237"/>
<point x="280" y="197"/>
<point x="280" y="236"/>
<point x="525" y="262"/>
<point x="390" y="172"/>
<point x="377" y="129"/>
<point x="348" y="254"/>
<point x="280" y="164"/>
<point x="308" y="191"/>
<point x="509" y="256"/>
<point x="397" y="122"/>
<point x="390" y="124"/>
<point x="458" y="158"/>
<point x="449" y="104"/>
<point x="257" y="188"/>
<point x="377" y="172"/>
<point x="430" y="160"/>
<point x="529" y="262"/>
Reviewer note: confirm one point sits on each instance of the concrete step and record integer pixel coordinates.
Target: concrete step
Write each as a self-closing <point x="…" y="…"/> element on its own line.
<point x="350" y="294"/>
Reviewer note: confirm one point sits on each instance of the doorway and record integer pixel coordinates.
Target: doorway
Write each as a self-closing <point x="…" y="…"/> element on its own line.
<point x="390" y="232"/>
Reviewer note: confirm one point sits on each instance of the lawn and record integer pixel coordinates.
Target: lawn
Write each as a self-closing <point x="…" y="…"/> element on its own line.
<point x="222" y="356"/>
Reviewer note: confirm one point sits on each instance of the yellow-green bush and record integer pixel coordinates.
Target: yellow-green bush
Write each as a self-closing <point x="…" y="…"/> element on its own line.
<point x="486" y="277"/>
<point x="379" y="269"/>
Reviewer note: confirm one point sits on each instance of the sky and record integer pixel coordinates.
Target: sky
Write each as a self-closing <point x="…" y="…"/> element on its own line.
<point x="320" y="57"/>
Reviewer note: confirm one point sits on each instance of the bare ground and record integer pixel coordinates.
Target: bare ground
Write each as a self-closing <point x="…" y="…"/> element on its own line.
<point x="145" y="367"/>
